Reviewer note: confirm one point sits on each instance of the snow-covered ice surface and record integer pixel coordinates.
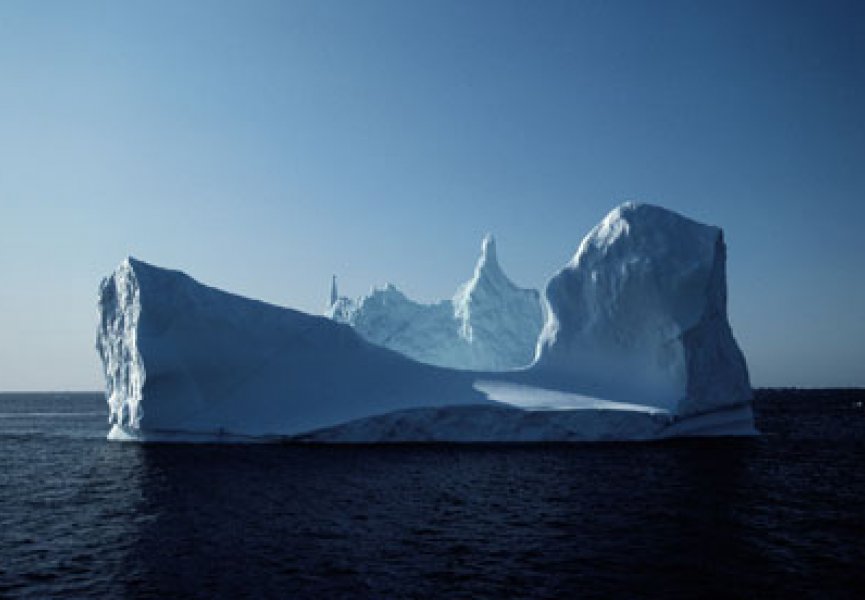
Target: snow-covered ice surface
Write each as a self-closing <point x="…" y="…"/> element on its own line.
<point x="489" y="324"/>
<point x="636" y="346"/>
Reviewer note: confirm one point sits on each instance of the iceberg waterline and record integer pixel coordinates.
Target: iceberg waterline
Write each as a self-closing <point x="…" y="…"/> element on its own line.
<point x="635" y="345"/>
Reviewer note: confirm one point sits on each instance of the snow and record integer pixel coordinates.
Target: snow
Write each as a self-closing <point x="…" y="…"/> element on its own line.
<point x="489" y="324"/>
<point x="635" y="346"/>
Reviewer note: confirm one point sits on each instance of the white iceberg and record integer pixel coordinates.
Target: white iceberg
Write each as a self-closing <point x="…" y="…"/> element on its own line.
<point x="489" y="324"/>
<point x="636" y="346"/>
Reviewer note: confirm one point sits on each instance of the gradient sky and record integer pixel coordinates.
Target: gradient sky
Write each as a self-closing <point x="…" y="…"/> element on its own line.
<point x="262" y="146"/>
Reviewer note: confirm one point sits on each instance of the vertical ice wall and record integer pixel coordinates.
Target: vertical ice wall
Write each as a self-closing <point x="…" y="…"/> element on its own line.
<point x="117" y="344"/>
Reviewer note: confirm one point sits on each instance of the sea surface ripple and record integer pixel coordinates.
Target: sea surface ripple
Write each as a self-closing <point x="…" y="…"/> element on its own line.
<point x="778" y="515"/>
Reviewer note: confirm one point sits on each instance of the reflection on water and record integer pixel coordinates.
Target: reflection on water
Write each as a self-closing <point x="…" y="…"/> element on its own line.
<point x="769" y="516"/>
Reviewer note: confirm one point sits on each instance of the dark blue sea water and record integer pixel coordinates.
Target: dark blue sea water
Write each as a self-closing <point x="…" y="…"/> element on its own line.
<point x="777" y="516"/>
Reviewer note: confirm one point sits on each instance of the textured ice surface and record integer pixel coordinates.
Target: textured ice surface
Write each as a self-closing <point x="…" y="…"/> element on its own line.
<point x="636" y="346"/>
<point x="497" y="424"/>
<point x="117" y="344"/>
<point x="641" y="312"/>
<point x="183" y="357"/>
<point x="489" y="324"/>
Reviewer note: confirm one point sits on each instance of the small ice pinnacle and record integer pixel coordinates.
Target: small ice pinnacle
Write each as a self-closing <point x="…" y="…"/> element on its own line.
<point x="334" y="295"/>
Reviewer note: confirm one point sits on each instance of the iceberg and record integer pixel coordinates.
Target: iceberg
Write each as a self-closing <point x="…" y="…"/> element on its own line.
<point x="489" y="324"/>
<point x="635" y="346"/>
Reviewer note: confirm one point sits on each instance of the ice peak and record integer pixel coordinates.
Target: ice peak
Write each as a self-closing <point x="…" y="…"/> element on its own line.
<point x="646" y="229"/>
<point x="488" y="249"/>
<point x="649" y="215"/>
<point x="334" y="293"/>
<point x="129" y="263"/>
<point x="488" y="262"/>
<point x="646" y="291"/>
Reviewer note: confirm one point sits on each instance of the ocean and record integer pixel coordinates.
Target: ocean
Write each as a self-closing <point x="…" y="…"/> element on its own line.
<point x="774" y="516"/>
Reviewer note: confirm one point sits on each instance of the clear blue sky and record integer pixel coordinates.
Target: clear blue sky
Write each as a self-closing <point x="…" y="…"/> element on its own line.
<point x="262" y="146"/>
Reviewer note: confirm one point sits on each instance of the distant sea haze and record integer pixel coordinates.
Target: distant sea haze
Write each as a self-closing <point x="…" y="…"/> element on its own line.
<point x="781" y="515"/>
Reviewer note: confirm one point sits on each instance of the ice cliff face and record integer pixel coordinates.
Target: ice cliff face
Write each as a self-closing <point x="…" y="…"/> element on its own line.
<point x="640" y="314"/>
<point x="489" y="324"/>
<point x="117" y="344"/>
<point x="636" y="345"/>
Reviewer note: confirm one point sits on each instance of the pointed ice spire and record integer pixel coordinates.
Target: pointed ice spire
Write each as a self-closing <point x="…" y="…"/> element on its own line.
<point x="488" y="263"/>
<point x="488" y="249"/>
<point x="334" y="294"/>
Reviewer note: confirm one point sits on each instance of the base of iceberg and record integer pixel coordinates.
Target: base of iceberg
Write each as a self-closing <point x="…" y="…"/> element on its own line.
<point x="484" y="424"/>
<point x="636" y="346"/>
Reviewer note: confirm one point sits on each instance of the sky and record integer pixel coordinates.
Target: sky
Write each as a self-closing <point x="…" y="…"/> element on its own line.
<point x="263" y="146"/>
